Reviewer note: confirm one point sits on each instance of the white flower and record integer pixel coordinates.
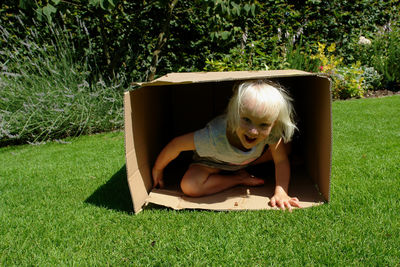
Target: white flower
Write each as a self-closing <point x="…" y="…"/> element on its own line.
<point x="364" y="41"/>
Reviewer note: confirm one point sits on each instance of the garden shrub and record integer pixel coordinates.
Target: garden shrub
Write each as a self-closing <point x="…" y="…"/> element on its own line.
<point x="380" y="55"/>
<point x="250" y="57"/>
<point x="45" y="92"/>
<point x="298" y="57"/>
<point x="347" y="81"/>
<point x="254" y="56"/>
<point x="372" y="78"/>
<point x="124" y="33"/>
<point x="386" y="57"/>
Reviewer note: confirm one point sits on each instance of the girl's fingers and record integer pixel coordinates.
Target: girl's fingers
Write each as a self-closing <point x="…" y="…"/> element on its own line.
<point x="295" y="202"/>
<point x="288" y="206"/>
<point x="157" y="178"/>
<point x="281" y="204"/>
<point x="272" y="202"/>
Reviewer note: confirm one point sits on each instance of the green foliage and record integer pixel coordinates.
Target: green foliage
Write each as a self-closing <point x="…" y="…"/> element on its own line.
<point x="298" y="57"/>
<point x="103" y="4"/>
<point x="124" y="33"/>
<point x="372" y="79"/>
<point x="113" y="41"/>
<point x="386" y="57"/>
<point x="254" y="56"/>
<point x="347" y="81"/>
<point x="45" y="92"/>
<point x="121" y="39"/>
<point x="382" y="52"/>
<point x="228" y="19"/>
<point x="251" y="57"/>
<point x="49" y="9"/>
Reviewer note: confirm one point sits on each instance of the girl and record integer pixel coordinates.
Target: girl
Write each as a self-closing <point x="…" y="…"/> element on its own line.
<point x="257" y="124"/>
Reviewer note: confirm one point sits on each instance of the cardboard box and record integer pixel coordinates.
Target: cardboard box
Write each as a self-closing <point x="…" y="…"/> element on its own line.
<point x="179" y="103"/>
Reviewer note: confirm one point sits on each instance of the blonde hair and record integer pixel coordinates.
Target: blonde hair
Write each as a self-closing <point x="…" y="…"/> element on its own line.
<point x="270" y="100"/>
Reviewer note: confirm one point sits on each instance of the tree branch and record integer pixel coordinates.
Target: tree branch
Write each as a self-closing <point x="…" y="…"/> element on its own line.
<point x="161" y="40"/>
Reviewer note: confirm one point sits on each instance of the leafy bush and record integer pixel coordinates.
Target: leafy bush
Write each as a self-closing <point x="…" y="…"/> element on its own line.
<point x="298" y="57"/>
<point x="45" y="93"/>
<point x="381" y="52"/>
<point x="386" y="57"/>
<point x="51" y="86"/>
<point x="372" y="79"/>
<point x="347" y="81"/>
<point x="254" y="56"/>
<point x="124" y="33"/>
<point x="328" y="61"/>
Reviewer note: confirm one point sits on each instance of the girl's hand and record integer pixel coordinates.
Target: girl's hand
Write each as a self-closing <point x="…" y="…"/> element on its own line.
<point x="158" y="178"/>
<point x="283" y="201"/>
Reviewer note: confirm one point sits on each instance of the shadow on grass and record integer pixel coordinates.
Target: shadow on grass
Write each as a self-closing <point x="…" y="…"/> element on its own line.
<point x="114" y="194"/>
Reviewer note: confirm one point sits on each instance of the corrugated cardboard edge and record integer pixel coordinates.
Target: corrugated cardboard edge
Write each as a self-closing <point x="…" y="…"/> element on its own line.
<point x="135" y="181"/>
<point x="327" y="196"/>
<point x="201" y="77"/>
<point x="234" y="199"/>
<point x="327" y="191"/>
<point x="331" y="148"/>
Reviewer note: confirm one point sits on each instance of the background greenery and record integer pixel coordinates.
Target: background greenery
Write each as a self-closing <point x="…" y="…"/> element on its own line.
<point x="123" y="34"/>
<point x="68" y="204"/>
<point x="65" y="64"/>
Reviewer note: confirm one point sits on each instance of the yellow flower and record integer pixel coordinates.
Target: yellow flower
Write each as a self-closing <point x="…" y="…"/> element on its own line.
<point x="332" y="48"/>
<point x="321" y="48"/>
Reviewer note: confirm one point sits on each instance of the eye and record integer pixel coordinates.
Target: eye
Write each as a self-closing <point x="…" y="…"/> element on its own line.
<point x="265" y="125"/>
<point x="246" y="120"/>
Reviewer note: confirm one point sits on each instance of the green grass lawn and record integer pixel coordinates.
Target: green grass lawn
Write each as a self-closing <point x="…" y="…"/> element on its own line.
<point x="68" y="204"/>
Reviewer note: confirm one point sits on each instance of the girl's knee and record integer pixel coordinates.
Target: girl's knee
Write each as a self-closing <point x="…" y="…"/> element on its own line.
<point x="194" y="178"/>
<point x="189" y="188"/>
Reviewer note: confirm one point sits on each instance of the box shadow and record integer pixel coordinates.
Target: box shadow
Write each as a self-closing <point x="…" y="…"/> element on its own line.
<point x="114" y="194"/>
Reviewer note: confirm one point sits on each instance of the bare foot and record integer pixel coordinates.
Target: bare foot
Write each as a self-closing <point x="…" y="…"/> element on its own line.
<point x="248" y="179"/>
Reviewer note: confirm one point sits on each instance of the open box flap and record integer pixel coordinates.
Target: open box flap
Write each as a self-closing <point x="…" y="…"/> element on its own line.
<point x="236" y="198"/>
<point x="198" y="77"/>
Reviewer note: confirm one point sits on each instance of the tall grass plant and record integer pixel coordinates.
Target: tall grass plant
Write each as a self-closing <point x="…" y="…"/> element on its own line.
<point x="45" y="91"/>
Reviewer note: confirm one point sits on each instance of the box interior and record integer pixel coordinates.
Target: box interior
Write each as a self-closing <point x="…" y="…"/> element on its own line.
<point x="156" y="114"/>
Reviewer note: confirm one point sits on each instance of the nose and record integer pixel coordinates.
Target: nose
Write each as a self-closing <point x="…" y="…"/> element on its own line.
<point x="253" y="131"/>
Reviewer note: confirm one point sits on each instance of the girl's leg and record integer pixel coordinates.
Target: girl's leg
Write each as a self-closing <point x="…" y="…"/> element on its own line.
<point x="200" y="180"/>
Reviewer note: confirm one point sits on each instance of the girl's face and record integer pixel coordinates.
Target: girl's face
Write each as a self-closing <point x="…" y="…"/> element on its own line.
<point x="253" y="127"/>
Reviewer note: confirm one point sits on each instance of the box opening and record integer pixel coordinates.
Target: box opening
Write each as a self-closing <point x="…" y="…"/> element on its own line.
<point x="156" y="114"/>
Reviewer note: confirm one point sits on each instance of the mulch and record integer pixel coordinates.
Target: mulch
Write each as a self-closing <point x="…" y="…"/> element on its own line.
<point x="380" y="93"/>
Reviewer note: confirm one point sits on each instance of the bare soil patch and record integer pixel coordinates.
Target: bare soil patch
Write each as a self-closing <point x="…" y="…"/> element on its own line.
<point x="380" y="93"/>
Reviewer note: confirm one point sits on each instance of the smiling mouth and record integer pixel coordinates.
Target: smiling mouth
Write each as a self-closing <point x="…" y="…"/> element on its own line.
<point x="249" y="139"/>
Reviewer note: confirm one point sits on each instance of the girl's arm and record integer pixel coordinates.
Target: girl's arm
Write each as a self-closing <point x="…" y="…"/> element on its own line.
<point x="169" y="153"/>
<point x="282" y="177"/>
